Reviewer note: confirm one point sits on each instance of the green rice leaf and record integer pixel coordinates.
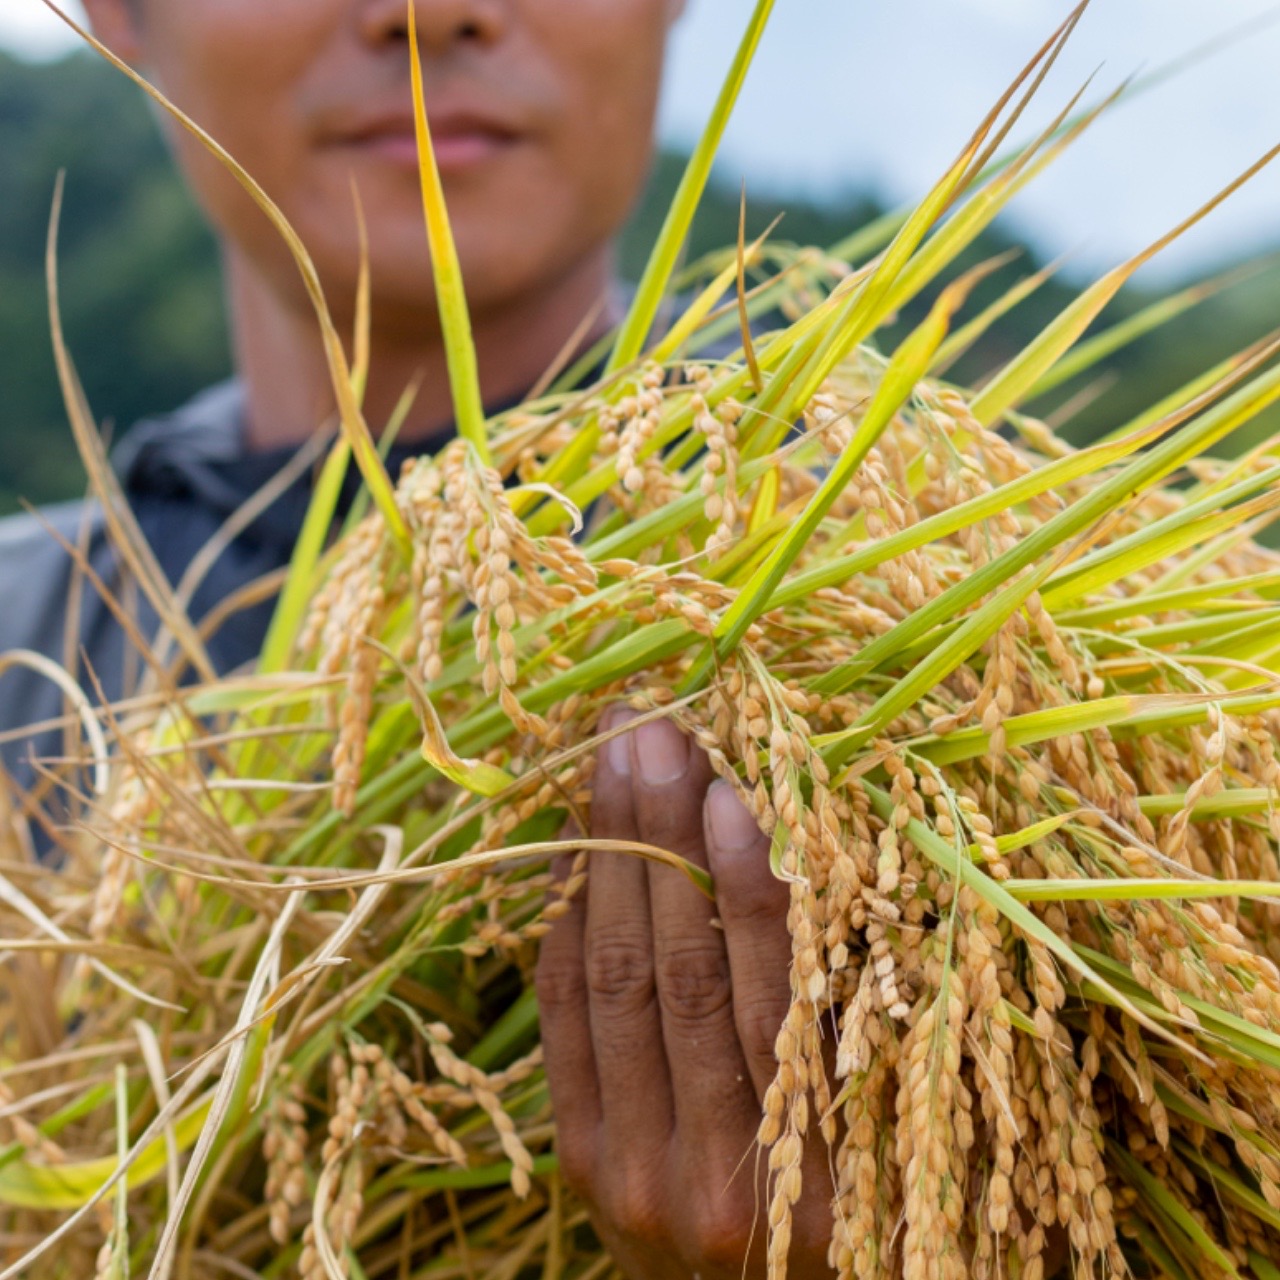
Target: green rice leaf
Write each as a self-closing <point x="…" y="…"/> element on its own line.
<point x="907" y="367"/>
<point x="1151" y="712"/>
<point x="1163" y="539"/>
<point x="1152" y="317"/>
<point x="675" y="229"/>
<point x="1016" y="380"/>
<point x="1232" y="1187"/>
<point x="64" y="1187"/>
<point x="455" y="318"/>
<point x="295" y="596"/>
<point x="965" y="337"/>
<point x="1140" y="890"/>
<point x="1156" y="1194"/>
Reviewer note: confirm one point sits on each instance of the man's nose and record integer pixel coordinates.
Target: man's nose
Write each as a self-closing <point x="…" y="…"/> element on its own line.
<point x="442" y="24"/>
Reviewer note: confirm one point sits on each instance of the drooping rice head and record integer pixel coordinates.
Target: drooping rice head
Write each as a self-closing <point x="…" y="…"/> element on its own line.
<point x="1008" y="709"/>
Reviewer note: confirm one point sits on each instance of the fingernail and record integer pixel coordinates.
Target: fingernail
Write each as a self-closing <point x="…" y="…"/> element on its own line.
<point x="618" y="750"/>
<point x="733" y="826"/>
<point x="663" y="752"/>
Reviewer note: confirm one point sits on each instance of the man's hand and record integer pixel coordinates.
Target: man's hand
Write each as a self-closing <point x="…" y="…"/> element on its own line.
<point x="659" y="1024"/>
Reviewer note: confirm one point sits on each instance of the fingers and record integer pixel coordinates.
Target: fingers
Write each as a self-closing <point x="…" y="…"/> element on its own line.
<point x="561" y="984"/>
<point x="659" y="1026"/>
<point x="753" y="910"/>
<point x="626" y="1026"/>
<point x="715" y="1105"/>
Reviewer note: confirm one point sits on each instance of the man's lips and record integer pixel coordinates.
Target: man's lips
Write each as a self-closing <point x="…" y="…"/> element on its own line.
<point x="460" y="142"/>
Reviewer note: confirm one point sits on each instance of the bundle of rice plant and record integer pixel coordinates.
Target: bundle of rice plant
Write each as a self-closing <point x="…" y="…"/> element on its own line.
<point x="1008" y="710"/>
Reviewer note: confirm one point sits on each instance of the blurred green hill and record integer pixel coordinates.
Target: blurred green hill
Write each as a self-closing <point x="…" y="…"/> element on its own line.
<point x="139" y="277"/>
<point x="143" y="306"/>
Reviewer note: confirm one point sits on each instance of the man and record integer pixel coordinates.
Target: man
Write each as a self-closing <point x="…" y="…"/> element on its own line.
<point x="658" y="1026"/>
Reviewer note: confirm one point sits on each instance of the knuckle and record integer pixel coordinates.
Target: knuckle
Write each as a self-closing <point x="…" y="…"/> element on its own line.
<point x="636" y="1209"/>
<point x="577" y="1165"/>
<point x="753" y="900"/>
<point x="559" y="986"/>
<point x="694" y="983"/>
<point x="759" y="1019"/>
<point x="749" y="894"/>
<point x="671" y="822"/>
<point x="619" y="971"/>
<point x="723" y="1233"/>
<point x="811" y="1227"/>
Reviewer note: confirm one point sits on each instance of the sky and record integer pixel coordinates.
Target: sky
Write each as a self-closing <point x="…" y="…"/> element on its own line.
<point x="855" y="94"/>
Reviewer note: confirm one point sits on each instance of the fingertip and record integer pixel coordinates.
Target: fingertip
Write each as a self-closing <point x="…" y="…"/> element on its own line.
<point x="738" y="857"/>
<point x="660" y="753"/>
<point x="615" y="755"/>
<point x="732" y="830"/>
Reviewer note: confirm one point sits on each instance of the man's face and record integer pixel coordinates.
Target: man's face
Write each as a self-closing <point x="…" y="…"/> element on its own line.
<point x="542" y="112"/>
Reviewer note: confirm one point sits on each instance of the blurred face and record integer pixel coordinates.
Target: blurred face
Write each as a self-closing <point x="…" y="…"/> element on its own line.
<point x="542" y="113"/>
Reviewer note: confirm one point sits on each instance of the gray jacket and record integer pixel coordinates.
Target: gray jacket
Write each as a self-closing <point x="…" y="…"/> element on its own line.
<point x="183" y="474"/>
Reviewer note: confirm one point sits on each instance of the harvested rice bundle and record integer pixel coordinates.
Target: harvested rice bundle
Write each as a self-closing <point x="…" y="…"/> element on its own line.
<point x="1007" y="709"/>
